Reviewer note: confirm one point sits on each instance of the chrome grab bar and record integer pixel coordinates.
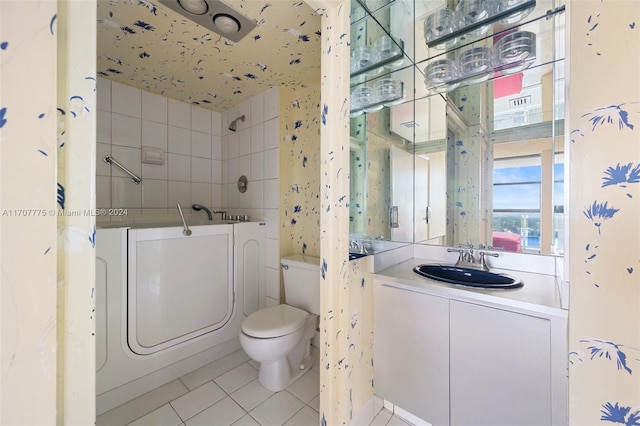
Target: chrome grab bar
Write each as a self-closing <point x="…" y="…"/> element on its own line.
<point x="110" y="160"/>
<point x="186" y="232"/>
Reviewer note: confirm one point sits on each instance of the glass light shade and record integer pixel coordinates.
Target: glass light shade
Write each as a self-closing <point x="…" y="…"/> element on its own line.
<point x="227" y="24"/>
<point x="197" y="7"/>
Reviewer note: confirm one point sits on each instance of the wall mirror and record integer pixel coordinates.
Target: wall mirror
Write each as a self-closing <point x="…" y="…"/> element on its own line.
<point x="485" y="149"/>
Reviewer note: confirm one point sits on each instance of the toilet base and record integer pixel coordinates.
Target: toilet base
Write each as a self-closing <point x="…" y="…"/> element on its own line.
<point x="279" y="374"/>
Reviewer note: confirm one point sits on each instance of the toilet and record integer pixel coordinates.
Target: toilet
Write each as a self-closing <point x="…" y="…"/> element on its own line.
<point x="279" y="337"/>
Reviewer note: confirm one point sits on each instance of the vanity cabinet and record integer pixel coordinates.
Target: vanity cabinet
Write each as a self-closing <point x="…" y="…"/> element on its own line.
<point x="500" y="367"/>
<point x="411" y="351"/>
<point x="458" y="363"/>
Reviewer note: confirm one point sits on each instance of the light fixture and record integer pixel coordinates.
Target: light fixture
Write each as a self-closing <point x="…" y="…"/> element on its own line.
<point x="214" y="15"/>
<point x="226" y="23"/>
<point x="197" y="7"/>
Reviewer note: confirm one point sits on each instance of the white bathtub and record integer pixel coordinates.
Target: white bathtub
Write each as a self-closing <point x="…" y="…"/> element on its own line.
<point x="167" y="304"/>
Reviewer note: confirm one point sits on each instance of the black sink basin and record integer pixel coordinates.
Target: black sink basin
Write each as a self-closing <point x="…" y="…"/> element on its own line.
<point x="466" y="276"/>
<point x="353" y="256"/>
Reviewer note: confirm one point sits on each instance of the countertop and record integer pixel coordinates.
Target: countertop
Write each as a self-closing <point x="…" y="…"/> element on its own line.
<point x="539" y="294"/>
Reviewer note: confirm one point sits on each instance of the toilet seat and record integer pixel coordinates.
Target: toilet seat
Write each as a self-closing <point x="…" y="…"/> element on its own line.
<point x="275" y="321"/>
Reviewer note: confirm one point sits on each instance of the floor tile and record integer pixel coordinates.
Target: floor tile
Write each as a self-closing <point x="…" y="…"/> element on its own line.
<point x="142" y="405"/>
<point x="246" y="420"/>
<point x="163" y="416"/>
<point x="305" y="417"/>
<point x="382" y="418"/>
<point x="236" y="378"/>
<point x="214" y="370"/>
<point x="254" y="364"/>
<point x="306" y="387"/>
<point x="197" y="400"/>
<point x="397" y="421"/>
<point x="277" y="409"/>
<point x="251" y="395"/>
<point x="222" y="413"/>
<point x="315" y="403"/>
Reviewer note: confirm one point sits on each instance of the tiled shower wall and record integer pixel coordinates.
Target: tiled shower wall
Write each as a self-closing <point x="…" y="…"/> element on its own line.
<point x="203" y="160"/>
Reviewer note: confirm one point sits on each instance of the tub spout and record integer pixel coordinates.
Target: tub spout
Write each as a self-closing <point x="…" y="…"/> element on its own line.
<point x="198" y="207"/>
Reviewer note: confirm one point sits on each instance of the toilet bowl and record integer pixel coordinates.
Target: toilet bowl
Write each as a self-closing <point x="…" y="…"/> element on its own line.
<point x="279" y="337"/>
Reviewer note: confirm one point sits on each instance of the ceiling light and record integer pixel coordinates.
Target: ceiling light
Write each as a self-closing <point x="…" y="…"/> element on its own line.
<point x="197" y="7"/>
<point x="214" y="15"/>
<point x="226" y="23"/>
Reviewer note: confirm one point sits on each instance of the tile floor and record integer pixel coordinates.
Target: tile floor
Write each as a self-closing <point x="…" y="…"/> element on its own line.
<point x="227" y="392"/>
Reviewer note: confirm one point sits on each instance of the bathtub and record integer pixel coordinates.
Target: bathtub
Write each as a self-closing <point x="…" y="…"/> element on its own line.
<point x="168" y="304"/>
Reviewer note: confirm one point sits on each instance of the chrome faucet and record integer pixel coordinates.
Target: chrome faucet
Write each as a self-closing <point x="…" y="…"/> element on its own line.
<point x="198" y="207"/>
<point x="466" y="258"/>
<point x="223" y="214"/>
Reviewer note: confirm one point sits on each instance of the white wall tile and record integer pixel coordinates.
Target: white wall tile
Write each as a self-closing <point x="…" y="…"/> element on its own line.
<point x="216" y="123"/>
<point x="271" y="194"/>
<point x="179" y="114"/>
<point x="154" y="107"/>
<point x="244" y="199"/>
<point x="232" y="196"/>
<point x="154" y="194"/>
<point x="244" y="166"/>
<point x="216" y="171"/>
<point x="126" y="131"/>
<point x="200" y="144"/>
<point x="271" y="164"/>
<point x="125" y="194"/>
<point x="273" y="253"/>
<point x="179" y="167"/>
<point x="244" y="109"/>
<point x="128" y="157"/>
<point x="103" y="192"/>
<point x="103" y="127"/>
<point x="257" y="109"/>
<point x="155" y="171"/>
<point x="154" y="135"/>
<point x="103" y="94"/>
<point x="200" y="119"/>
<point x="272" y="216"/>
<point x="225" y="147"/>
<point x="200" y="170"/>
<point x="257" y="138"/>
<point x="102" y="168"/>
<point x="257" y="166"/>
<point x="178" y="192"/>
<point x="273" y="283"/>
<point x="233" y="145"/>
<point x="272" y="134"/>
<point x="271" y="103"/>
<point x="257" y="193"/>
<point x="126" y="100"/>
<point x="216" y="197"/>
<point x="179" y="140"/>
<point x="244" y="142"/>
<point x="201" y="194"/>
<point x="233" y="171"/>
<point x="216" y="147"/>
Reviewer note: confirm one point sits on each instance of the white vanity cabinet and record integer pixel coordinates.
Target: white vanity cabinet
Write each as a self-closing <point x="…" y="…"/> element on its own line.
<point x="500" y="367"/>
<point x="454" y="361"/>
<point x="411" y="351"/>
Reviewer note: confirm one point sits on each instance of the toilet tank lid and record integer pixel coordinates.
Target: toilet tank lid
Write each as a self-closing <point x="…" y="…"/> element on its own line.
<point x="274" y="321"/>
<point x="302" y="261"/>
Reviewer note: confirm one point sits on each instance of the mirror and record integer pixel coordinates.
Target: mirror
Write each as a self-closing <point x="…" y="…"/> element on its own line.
<point x="486" y="158"/>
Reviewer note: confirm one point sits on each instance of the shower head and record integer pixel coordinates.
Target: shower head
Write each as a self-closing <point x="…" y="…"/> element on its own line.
<point x="234" y="124"/>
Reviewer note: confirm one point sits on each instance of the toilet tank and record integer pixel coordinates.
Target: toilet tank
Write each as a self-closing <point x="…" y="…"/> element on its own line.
<point x="302" y="282"/>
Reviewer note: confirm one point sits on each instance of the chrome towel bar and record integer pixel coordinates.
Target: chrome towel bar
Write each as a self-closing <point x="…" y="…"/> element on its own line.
<point x="110" y="160"/>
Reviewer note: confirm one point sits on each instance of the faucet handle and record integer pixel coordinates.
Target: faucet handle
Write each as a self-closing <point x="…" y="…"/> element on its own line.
<point x="460" y="252"/>
<point x="483" y="260"/>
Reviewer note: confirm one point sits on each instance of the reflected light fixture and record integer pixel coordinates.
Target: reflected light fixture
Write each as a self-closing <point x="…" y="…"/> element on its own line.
<point x="214" y="15"/>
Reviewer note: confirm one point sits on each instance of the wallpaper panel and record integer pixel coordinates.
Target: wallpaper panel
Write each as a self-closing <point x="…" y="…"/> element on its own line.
<point x="300" y="171"/>
<point x="604" y="258"/>
<point x="28" y="205"/>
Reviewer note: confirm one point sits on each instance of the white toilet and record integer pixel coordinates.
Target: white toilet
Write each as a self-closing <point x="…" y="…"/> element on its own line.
<point x="279" y="337"/>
